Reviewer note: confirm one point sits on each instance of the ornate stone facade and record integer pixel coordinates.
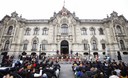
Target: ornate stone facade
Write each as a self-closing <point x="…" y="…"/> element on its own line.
<point x="64" y="33"/>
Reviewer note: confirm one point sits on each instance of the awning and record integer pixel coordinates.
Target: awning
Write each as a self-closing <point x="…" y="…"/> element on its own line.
<point x="43" y="53"/>
<point x="33" y="53"/>
<point x="125" y="53"/>
<point x="4" y="53"/>
<point x="85" y="53"/>
<point x="95" y="53"/>
<point x="24" y="53"/>
<point x="104" y="53"/>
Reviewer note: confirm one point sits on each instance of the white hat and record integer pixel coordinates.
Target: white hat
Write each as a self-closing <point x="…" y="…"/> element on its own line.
<point x="44" y="75"/>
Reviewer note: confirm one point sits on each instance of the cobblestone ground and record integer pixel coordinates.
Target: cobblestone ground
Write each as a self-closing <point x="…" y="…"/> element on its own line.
<point x="66" y="71"/>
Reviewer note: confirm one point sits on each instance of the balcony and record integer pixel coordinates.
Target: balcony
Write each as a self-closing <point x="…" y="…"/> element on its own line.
<point x="64" y="34"/>
<point x="120" y="35"/>
<point x="33" y="49"/>
<point x="95" y="49"/>
<point x="4" y="50"/>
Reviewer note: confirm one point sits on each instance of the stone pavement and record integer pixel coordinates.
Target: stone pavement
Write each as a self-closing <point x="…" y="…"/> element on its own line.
<point x="66" y="71"/>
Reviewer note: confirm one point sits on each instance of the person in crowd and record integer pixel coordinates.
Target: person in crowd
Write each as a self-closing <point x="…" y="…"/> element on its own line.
<point x="117" y="70"/>
<point x="99" y="74"/>
<point x="44" y="76"/>
<point x="8" y="75"/>
<point x="33" y="73"/>
<point x="114" y="75"/>
<point x="123" y="75"/>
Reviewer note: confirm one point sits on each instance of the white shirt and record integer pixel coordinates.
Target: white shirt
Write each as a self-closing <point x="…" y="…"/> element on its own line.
<point x="113" y="76"/>
<point x="118" y="71"/>
<point x="38" y="75"/>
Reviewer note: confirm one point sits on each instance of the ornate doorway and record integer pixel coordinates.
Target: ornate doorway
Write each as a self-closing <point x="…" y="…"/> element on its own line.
<point x="64" y="47"/>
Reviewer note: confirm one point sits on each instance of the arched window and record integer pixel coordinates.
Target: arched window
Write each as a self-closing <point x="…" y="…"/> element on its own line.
<point x="6" y="46"/>
<point x="101" y="31"/>
<point x="83" y="31"/>
<point x="64" y="29"/>
<point x="10" y="30"/>
<point x="36" y="31"/>
<point x="92" y="31"/>
<point x="122" y="45"/>
<point x="27" y="31"/>
<point x="45" y="31"/>
<point x="94" y="45"/>
<point x="118" y="29"/>
<point x="34" y="45"/>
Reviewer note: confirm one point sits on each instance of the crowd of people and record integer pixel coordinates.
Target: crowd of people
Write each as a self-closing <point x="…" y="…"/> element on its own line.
<point x="98" y="69"/>
<point x="32" y="67"/>
<point x="29" y="67"/>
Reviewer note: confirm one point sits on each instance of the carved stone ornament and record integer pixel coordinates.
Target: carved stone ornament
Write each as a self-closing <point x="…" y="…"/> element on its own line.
<point x="2" y="40"/>
<point x="73" y="22"/>
<point x="12" y="22"/>
<point x="122" y="21"/>
<point x="64" y="21"/>
<point x="106" y="25"/>
<point x="102" y="41"/>
<point x="14" y="14"/>
<point x="54" y="22"/>
<point x="5" y="20"/>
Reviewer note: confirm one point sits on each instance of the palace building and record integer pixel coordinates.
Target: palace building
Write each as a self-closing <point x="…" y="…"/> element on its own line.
<point x="64" y="33"/>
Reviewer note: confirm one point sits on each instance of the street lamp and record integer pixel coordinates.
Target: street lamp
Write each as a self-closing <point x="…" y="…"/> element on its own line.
<point x="40" y="50"/>
<point x="89" y="51"/>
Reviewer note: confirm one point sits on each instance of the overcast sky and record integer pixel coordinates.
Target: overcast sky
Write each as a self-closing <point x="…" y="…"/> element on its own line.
<point x="44" y="9"/>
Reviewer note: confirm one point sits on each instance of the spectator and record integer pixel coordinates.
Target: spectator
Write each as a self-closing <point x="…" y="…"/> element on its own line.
<point x="99" y="74"/>
<point x="114" y="75"/>
<point x="8" y="75"/>
<point x="33" y="74"/>
<point x="123" y="75"/>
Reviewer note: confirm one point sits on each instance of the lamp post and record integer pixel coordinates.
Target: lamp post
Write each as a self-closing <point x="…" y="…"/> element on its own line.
<point x="89" y="51"/>
<point x="40" y="50"/>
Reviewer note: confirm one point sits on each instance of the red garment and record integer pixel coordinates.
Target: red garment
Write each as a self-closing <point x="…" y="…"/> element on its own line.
<point x="34" y="65"/>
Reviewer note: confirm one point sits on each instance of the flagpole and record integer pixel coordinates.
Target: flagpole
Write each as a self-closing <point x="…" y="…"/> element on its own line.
<point x="64" y="4"/>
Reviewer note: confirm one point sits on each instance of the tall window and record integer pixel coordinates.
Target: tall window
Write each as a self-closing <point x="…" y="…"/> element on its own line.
<point x="43" y="46"/>
<point x="101" y="31"/>
<point x="45" y="31"/>
<point x="122" y="45"/>
<point x="92" y="31"/>
<point x="85" y="46"/>
<point x="27" y="31"/>
<point x="94" y="45"/>
<point x="9" y="32"/>
<point x="36" y="31"/>
<point x="118" y="29"/>
<point x="103" y="46"/>
<point x="44" y="43"/>
<point x="25" y="46"/>
<point x="64" y="29"/>
<point x="83" y="31"/>
<point x="6" y="46"/>
<point x="34" y="45"/>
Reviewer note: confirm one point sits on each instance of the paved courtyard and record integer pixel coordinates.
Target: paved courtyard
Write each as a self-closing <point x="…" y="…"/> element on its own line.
<point x="66" y="71"/>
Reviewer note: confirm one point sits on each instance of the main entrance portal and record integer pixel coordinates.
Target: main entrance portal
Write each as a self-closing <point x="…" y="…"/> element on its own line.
<point x="64" y="47"/>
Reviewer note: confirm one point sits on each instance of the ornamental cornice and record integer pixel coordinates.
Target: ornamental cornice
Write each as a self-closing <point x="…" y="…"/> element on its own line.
<point x="37" y="21"/>
<point x="91" y="21"/>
